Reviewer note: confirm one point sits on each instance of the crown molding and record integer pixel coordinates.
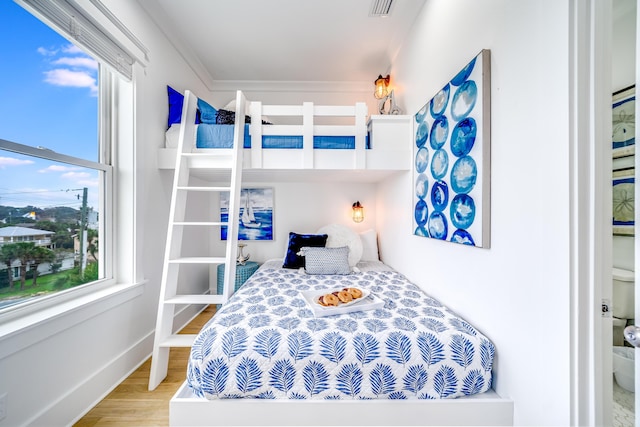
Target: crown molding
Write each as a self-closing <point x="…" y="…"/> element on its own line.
<point x="292" y="86"/>
<point x="166" y="27"/>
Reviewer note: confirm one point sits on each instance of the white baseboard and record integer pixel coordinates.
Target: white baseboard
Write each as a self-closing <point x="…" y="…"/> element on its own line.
<point x="77" y="402"/>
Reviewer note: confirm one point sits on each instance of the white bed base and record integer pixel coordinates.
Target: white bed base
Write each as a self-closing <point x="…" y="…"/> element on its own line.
<point x="391" y="138"/>
<point x="486" y="409"/>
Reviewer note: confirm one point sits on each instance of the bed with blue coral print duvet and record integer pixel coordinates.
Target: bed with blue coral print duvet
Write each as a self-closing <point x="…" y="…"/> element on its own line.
<point x="265" y="343"/>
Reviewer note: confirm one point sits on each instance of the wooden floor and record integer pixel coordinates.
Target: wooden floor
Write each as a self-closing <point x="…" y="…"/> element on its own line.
<point x="132" y="404"/>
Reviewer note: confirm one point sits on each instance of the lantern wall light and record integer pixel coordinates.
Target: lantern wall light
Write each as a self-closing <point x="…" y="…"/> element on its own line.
<point x="387" y="103"/>
<point x="358" y="212"/>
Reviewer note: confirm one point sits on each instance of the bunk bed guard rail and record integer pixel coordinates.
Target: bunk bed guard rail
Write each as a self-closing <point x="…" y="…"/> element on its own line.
<point x="308" y="129"/>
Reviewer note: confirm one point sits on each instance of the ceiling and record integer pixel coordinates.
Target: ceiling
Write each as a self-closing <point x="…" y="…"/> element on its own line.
<point x="284" y="40"/>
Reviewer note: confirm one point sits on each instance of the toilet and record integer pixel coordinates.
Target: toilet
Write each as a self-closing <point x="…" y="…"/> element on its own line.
<point x="623" y="364"/>
<point x="623" y="302"/>
<point x="623" y="314"/>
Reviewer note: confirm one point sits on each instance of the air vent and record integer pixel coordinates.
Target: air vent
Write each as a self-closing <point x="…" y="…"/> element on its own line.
<point x="380" y="8"/>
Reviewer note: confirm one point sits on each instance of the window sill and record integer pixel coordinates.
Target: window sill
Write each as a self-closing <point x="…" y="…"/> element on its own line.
<point x="39" y="324"/>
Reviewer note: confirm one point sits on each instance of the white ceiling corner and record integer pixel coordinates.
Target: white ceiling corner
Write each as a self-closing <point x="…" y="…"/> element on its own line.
<point x="295" y="45"/>
<point x="172" y="33"/>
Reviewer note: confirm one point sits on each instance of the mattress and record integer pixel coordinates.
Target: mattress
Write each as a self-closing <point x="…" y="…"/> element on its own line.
<point x="266" y="343"/>
<point x="221" y="136"/>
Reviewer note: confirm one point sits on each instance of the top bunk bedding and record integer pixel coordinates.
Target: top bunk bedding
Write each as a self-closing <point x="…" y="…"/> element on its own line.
<point x="353" y="141"/>
<point x="266" y="342"/>
<point x="221" y="136"/>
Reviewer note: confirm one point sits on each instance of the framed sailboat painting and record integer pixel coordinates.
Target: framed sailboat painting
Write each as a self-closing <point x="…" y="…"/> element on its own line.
<point x="256" y="214"/>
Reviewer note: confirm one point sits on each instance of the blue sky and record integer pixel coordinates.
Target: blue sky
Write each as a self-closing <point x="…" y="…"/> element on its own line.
<point x="48" y="93"/>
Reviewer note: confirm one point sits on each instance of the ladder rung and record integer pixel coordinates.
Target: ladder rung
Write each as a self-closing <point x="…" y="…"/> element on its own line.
<point x="198" y="260"/>
<point x="210" y="152"/>
<point x="178" y="340"/>
<point x="210" y="223"/>
<point x="195" y="299"/>
<point x="214" y="160"/>
<point x="218" y="189"/>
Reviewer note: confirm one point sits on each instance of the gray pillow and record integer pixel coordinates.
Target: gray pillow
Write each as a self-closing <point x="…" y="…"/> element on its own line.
<point x="320" y="260"/>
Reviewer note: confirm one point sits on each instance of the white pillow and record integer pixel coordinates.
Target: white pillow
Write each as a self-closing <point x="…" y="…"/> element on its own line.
<point x="369" y="246"/>
<point x="341" y="235"/>
<point x="173" y="133"/>
<point x="171" y="136"/>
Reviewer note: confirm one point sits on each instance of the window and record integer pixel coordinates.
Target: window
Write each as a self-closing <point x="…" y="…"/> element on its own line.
<point x="55" y="169"/>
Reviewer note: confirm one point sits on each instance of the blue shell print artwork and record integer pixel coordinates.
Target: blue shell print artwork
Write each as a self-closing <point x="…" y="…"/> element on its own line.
<point x="624" y="122"/>
<point x="452" y="159"/>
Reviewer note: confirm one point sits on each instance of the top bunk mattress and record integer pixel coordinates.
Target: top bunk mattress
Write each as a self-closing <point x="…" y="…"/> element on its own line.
<point x="221" y="136"/>
<point x="266" y="343"/>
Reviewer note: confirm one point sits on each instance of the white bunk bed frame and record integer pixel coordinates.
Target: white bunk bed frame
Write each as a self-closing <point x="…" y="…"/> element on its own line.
<point x="390" y="152"/>
<point x="485" y="409"/>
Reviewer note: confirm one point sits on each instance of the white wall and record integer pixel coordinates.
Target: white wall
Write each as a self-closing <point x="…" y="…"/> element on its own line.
<point x="294" y="93"/>
<point x="623" y="54"/>
<point x="305" y="207"/>
<point x="517" y="291"/>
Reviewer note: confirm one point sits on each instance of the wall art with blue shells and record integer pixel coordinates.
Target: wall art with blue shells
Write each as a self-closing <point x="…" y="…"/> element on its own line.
<point x="451" y="183"/>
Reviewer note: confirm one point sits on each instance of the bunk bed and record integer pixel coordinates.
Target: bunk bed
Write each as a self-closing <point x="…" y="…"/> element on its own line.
<point x="304" y="138"/>
<point x="408" y="348"/>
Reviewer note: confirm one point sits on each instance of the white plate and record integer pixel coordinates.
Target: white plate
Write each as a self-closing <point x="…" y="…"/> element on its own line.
<point x="318" y="294"/>
<point x="368" y="301"/>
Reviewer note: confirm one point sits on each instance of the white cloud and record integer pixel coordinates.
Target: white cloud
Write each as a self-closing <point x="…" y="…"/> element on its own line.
<point x="77" y="61"/>
<point x="73" y="173"/>
<point x="72" y="48"/>
<point x="11" y="161"/>
<point x="82" y="179"/>
<point x="76" y="175"/>
<point x="57" y="168"/>
<point x="89" y="183"/>
<point x="73" y="67"/>
<point x="64" y="77"/>
<point x="46" y="52"/>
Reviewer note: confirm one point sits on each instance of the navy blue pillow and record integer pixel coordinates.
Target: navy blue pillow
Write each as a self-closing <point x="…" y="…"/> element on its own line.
<point x="175" y="105"/>
<point x="176" y="99"/>
<point x="296" y="242"/>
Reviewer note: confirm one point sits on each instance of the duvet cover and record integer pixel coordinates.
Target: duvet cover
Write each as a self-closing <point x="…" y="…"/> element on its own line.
<point x="266" y="343"/>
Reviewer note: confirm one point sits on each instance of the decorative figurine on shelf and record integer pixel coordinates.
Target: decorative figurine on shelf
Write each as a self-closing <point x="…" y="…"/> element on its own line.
<point x="242" y="258"/>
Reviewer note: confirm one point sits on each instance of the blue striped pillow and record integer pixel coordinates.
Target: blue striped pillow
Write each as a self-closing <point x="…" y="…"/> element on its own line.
<point x="319" y="260"/>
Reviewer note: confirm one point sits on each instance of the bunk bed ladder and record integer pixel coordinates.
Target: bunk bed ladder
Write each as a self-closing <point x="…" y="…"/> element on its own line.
<point x="228" y="159"/>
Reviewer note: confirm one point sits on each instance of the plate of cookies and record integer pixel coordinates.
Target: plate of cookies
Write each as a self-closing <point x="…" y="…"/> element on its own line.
<point x="327" y="302"/>
<point x="341" y="297"/>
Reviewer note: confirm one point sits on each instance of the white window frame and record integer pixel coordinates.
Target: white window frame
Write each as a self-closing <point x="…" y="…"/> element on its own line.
<point x="104" y="166"/>
<point x="115" y="123"/>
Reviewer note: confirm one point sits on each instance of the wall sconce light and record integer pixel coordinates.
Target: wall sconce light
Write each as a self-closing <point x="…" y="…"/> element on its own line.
<point x="358" y="212"/>
<point x="382" y="93"/>
<point x="382" y="87"/>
